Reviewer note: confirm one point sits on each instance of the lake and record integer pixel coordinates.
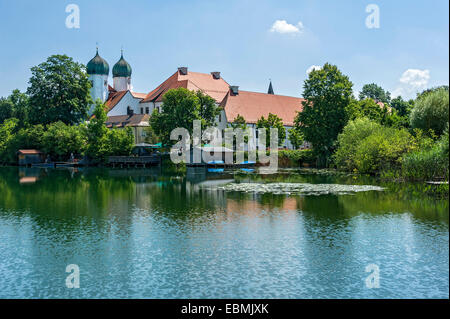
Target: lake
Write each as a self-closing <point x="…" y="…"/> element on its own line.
<point x="146" y="233"/>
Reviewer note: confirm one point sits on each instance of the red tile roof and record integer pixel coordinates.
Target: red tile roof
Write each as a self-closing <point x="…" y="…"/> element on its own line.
<point x="216" y="88"/>
<point x="253" y="105"/>
<point x="29" y="152"/>
<point x="115" y="97"/>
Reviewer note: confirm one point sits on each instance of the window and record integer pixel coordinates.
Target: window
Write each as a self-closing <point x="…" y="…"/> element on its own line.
<point x="147" y="110"/>
<point x="257" y="133"/>
<point x="220" y="118"/>
<point x="142" y="110"/>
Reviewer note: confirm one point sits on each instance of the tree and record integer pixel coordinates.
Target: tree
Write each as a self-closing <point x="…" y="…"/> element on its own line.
<point x="121" y="141"/>
<point x="431" y="111"/>
<point x="375" y="92"/>
<point x="7" y="129"/>
<point x="327" y="94"/>
<point x="59" y="91"/>
<point x="61" y="140"/>
<point x="208" y="109"/>
<point x="403" y="107"/>
<point x="239" y="122"/>
<point x="295" y="137"/>
<point x="97" y="134"/>
<point x="272" y="121"/>
<point x="16" y="105"/>
<point x="180" y="108"/>
<point x="6" y="109"/>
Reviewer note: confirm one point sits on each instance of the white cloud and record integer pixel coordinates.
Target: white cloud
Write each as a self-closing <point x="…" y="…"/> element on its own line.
<point x="312" y="68"/>
<point x="282" y="26"/>
<point x="412" y="81"/>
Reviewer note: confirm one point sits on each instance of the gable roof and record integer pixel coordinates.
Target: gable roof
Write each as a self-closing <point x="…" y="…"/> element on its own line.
<point x="126" y="120"/>
<point x="29" y="152"/>
<point x="114" y="97"/>
<point x="215" y="88"/>
<point x="253" y="105"/>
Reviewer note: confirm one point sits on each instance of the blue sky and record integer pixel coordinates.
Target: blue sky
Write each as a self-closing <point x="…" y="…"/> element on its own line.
<point x="409" y="52"/>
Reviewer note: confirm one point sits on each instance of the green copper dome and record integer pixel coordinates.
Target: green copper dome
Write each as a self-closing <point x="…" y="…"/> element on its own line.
<point x="121" y="68"/>
<point x="97" y="66"/>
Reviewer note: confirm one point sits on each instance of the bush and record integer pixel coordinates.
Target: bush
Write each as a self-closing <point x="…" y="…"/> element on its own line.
<point x="368" y="147"/>
<point x="428" y="163"/>
<point x="61" y="140"/>
<point x="294" y="158"/>
<point x="121" y="141"/>
<point x="431" y="111"/>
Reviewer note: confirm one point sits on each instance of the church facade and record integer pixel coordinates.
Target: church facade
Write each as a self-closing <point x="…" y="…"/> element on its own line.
<point x="128" y="108"/>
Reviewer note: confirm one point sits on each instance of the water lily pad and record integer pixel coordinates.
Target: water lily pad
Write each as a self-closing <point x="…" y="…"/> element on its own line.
<point x="298" y="188"/>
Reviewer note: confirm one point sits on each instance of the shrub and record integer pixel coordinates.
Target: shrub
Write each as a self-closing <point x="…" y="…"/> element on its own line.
<point x="429" y="162"/>
<point x="368" y="147"/>
<point x="431" y="111"/>
<point x="60" y="140"/>
<point x="294" y="158"/>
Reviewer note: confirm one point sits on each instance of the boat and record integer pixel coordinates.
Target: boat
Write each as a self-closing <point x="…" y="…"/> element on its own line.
<point x="215" y="163"/>
<point x="215" y="170"/>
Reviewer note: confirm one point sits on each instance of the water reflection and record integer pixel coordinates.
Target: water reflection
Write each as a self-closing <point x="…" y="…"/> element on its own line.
<point x="149" y="233"/>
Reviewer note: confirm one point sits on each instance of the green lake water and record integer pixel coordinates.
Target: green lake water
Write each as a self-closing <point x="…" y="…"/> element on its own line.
<point x="145" y="233"/>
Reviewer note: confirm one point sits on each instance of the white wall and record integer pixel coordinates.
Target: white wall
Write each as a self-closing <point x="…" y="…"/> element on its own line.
<point x="99" y="89"/>
<point x="121" y="107"/>
<point x="122" y="83"/>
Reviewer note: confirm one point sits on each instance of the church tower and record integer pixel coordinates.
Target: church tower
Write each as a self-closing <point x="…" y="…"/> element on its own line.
<point x="98" y="71"/>
<point x="270" y="90"/>
<point x="122" y="75"/>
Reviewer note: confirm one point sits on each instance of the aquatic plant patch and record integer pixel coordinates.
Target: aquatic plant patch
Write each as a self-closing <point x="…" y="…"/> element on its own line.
<point x="298" y="188"/>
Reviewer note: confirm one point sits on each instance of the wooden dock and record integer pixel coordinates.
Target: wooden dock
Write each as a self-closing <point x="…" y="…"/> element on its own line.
<point x="134" y="161"/>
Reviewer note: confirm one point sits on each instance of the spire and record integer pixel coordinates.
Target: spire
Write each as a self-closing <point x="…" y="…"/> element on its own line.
<point x="270" y="91"/>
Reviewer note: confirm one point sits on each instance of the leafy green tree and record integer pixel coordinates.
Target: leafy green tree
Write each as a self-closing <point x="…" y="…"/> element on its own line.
<point x="327" y="94"/>
<point x="272" y="121"/>
<point x="59" y="91"/>
<point x="61" y="140"/>
<point x="239" y="122"/>
<point x="295" y="137"/>
<point x="29" y="137"/>
<point x="16" y="105"/>
<point x="6" y="109"/>
<point x="121" y="141"/>
<point x="431" y="111"/>
<point x="375" y="92"/>
<point x="403" y="107"/>
<point x="208" y="109"/>
<point x="7" y="129"/>
<point x="180" y="108"/>
<point x="98" y="146"/>
<point x="431" y="90"/>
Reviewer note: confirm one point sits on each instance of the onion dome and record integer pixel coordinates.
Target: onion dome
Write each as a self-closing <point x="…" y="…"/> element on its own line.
<point x="97" y="66"/>
<point x="121" y="68"/>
